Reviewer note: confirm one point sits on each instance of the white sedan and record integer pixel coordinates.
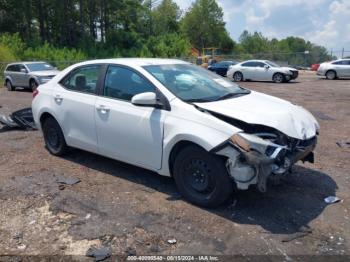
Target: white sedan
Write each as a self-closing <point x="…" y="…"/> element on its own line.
<point x="176" y="119"/>
<point x="335" y="69"/>
<point x="261" y="70"/>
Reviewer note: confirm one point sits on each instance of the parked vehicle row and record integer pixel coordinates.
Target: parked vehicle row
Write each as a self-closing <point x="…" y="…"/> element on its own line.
<point x="178" y="120"/>
<point x="28" y="74"/>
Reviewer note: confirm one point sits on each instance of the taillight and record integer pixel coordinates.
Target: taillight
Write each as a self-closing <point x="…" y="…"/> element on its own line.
<point x="35" y="93"/>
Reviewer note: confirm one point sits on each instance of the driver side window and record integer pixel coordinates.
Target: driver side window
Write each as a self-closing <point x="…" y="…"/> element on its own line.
<point x="123" y="83"/>
<point x="83" y="79"/>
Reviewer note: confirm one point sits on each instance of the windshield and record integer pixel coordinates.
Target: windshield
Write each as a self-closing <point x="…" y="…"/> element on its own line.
<point x="192" y="83"/>
<point x="40" y="67"/>
<point x="271" y="64"/>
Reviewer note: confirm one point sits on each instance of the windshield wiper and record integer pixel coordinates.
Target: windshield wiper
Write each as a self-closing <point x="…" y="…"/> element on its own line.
<point x="199" y="100"/>
<point x="230" y="95"/>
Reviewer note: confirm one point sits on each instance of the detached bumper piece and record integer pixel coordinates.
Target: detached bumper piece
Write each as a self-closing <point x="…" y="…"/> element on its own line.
<point x="22" y="119"/>
<point x="295" y="74"/>
<point x="254" y="165"/>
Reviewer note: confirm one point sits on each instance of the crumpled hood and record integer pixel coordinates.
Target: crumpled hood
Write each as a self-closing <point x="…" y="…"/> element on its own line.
<point x="261" y="109"/>
<point x="45" y="73"/>
<point x="289" y="68"/>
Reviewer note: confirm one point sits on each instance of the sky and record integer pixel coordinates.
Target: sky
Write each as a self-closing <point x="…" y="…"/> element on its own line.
<point x="324" y="22"/>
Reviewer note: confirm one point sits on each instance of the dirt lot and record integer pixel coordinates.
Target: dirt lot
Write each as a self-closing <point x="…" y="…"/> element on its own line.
<point x="134" y="211"/>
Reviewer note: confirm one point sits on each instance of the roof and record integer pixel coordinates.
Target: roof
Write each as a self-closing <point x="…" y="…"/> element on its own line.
<point x="136" y="61"/>
<point x="25" y="62"/>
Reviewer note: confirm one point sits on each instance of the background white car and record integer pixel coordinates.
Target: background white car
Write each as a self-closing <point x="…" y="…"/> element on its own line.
<point x="261" y="70"/>
<point x="335" y="69"/>
<point x="176" y="119"/>
<point x="28" y="74"/>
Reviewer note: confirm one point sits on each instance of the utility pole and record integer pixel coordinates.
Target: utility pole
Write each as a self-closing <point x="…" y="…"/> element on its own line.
<point x="342" y="53"/>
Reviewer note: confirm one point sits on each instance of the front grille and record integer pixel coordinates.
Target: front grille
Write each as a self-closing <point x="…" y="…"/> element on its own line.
<point x="295" y="74"/>
<point x="308" y="142"/>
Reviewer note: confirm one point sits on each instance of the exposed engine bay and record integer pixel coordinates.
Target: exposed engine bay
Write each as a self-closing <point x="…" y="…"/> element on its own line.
<point x="261" y="152"/>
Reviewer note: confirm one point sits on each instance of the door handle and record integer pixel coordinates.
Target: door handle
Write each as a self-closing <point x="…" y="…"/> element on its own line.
<point x="58" y="98"/>
<point x="103" y="109"/>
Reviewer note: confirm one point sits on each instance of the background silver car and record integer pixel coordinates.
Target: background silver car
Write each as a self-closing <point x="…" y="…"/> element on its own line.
<point x="335" y="69"/>
<point x="28" y="74"/>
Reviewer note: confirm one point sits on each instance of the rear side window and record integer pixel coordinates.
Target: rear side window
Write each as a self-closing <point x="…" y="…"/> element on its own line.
<point x="13" y="68"/>
<point x="83" y="79"/>
<point x="123" y="83"/>
<point x="343" y="62"/>
<point x="249" y="64"/>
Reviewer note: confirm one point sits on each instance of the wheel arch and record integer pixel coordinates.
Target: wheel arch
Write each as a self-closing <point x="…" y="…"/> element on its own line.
<point x="180" y="145"/>
<point x="331" y="70"/>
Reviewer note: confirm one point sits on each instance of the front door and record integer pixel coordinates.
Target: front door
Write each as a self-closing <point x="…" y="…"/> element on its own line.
<point x="126" y="132"/>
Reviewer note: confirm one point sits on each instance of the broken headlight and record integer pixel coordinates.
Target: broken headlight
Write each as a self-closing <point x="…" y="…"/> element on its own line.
<point x="249" y="142"/>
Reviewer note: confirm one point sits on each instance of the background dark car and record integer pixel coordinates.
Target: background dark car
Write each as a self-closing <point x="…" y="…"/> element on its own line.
<point x="221" y="67"/>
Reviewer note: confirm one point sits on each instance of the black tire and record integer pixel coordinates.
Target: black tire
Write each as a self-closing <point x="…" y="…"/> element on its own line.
<point x="237" y="77"/>
<point x="278" y="78"/>
<point x="201" y="177"/>
<point x="331" y="74"/>
<point x="9" y="86"/>
<point x="33" y="85"/>
<point x="54" y="138"/>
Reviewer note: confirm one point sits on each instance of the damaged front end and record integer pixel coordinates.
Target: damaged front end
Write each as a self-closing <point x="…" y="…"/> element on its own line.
<point x="253" y="158"/>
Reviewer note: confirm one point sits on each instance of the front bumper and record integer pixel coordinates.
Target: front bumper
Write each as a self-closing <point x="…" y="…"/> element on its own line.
<point x="253" y="167"/>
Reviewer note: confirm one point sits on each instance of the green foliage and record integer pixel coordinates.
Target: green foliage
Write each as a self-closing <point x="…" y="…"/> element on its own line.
<point x="14" y="45"/>
<point x="204" y="26"/>
<point x="61" y="56"/>
<point x="73" y="30"/>
<point x="169" y="45"/>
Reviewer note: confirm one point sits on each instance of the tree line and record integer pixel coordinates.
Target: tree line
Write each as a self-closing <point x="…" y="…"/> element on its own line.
<point x="80" y="29"/>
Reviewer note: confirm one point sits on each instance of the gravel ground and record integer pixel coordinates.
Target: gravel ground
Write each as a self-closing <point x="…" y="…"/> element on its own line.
<point x="134" y="211"/>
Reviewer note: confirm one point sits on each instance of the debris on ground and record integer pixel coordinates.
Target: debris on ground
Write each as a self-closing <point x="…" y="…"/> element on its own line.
<point x="302" y="232"/>
<point x="99" y="254"/>
<point x="22" y="119"/>
<point x="64" y="181"/>
<point x="332" y="199"/>
<point x="172" y="241"/>
<point x="130" y="251"/>
<point x="322" y="116"/>
<point x="343" y="144"/>
<point x="67" y="180"/>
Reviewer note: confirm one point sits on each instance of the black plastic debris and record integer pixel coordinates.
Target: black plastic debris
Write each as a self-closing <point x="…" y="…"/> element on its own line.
<point x="302" y="232"/>
<point x="22" y="119"/>
<point x="99" y="254"/>
<point x="67" y="180"/>
<point x="322" y="116"/>
<point x="343" y="144"/>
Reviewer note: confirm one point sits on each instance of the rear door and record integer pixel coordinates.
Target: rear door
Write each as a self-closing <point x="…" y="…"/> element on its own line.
<point x="126" y="132"/>
<point x="347" y="68"/>
<point x="74" y="104"/>
<point x="248" y="69"/>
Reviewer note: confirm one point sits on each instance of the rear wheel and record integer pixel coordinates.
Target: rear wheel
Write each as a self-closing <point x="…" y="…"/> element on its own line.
<point x="201" y="177"/>
<point x="9" y="86"/>
<point x="331" y="75"/>
<point x="33" y="85"/>
<point x="278" y="78"/>
<point x="53" y="136"/>
<point x="238" y="76"/>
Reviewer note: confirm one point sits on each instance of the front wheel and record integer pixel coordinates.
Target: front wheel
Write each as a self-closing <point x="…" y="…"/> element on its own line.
<point x="9" y="86"/>
<point x="201" y="177"/>
<point x="33" y="85"/>
<point x="278" y="78"/>
<point x="53" y="136"/>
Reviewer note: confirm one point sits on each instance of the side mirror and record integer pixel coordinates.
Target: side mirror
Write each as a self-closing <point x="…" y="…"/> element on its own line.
<point x="266" y="66"/>
<point x="145" y="99"/>
<point x="23" y="70"/>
